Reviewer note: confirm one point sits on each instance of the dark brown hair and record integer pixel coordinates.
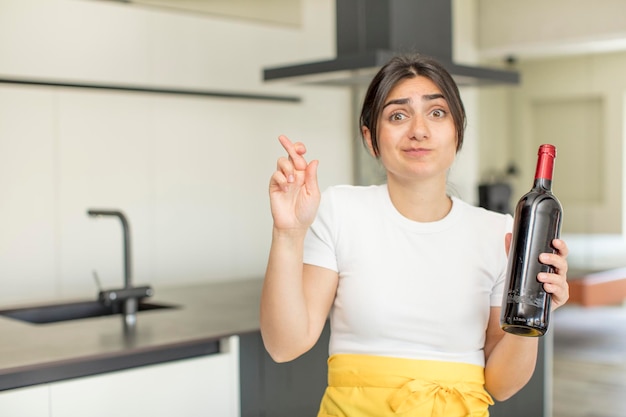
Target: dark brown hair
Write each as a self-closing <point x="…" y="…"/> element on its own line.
<point x="400" y="68"/>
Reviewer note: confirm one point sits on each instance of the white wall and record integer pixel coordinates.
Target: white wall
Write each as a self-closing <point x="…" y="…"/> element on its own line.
<point x="191" y="173"/>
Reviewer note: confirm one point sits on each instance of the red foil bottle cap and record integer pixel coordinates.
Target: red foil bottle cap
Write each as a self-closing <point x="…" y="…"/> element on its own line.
<point x="545" y="161"/>
<point x="549" y="149"/>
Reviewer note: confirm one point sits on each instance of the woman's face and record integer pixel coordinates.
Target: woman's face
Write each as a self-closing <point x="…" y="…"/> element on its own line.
<point x="416" y="133"/>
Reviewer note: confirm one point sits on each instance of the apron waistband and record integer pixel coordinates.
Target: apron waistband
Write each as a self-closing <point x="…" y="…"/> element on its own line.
<point x="416" y="382"/>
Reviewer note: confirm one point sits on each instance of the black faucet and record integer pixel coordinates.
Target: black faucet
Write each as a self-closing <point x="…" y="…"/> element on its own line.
<point x="128" y="295"/>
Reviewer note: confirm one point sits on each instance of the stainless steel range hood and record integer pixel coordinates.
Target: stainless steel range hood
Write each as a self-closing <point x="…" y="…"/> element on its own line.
<point x="369" y="32"/>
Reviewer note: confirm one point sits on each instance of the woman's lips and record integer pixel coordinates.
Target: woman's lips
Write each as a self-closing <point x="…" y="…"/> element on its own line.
<point x="417" y="151"/>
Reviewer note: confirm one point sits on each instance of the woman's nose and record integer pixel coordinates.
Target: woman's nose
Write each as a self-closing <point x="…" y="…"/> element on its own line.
<point x="419" y="128"/>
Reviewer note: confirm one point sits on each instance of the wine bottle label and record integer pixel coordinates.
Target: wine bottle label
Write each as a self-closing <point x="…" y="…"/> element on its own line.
<point x="517" y="298"/>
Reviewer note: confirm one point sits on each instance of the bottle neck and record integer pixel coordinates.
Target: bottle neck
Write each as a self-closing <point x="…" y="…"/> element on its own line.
<point x="545" y="169"/>
<point x="543" y="184"/>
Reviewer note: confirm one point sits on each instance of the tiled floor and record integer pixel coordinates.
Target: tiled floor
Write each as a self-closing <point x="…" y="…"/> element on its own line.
<point x="589" y="362"/>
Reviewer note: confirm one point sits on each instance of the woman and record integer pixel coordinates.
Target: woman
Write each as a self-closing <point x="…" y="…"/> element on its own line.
<point x="411" y="277"/>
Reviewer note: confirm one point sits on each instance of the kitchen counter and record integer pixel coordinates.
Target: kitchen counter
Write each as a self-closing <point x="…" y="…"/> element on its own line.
<point x="597" y="288"/>
<point x="32" y="354"/>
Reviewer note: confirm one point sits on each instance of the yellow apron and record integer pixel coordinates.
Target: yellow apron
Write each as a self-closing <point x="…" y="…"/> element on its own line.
<point x="377" y="386"/>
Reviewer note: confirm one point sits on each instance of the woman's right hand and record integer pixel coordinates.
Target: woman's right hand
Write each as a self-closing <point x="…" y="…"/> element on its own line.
<point x="294" y="192"/>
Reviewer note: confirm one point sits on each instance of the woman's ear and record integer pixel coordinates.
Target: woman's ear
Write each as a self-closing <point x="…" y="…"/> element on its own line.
<point x="367" y="135"/>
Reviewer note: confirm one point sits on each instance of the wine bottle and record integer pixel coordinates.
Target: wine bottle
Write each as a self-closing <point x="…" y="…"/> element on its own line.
<point x="537" y="221"/>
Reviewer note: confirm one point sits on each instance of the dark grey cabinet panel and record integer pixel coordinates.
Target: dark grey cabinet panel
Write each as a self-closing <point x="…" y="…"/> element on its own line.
<point x="270" y="389"/>
<point x="531" y="400"/>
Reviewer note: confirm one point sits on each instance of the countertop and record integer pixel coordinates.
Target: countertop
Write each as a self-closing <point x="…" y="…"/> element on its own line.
<point x="597" y="288"/>
<point x="38" y="353"/>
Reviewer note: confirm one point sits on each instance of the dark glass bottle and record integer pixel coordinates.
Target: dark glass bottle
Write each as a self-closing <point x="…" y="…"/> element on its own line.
<point x="537" y="221"/>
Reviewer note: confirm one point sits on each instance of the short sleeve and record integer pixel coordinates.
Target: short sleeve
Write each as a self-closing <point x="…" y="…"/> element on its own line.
<point x="498" y="290"/>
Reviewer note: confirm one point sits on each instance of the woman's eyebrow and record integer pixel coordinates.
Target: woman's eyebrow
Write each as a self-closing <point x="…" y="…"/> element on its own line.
<point x="428" y="97"/>
<point x="397" y="101"/>
<point x="425" y="97"/>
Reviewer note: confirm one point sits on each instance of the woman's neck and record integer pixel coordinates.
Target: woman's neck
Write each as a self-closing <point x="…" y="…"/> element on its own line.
<point x="424" y="202"/>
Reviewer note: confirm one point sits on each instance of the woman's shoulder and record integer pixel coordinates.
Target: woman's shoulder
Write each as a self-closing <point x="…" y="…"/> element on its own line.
<point x="481" y="214"/>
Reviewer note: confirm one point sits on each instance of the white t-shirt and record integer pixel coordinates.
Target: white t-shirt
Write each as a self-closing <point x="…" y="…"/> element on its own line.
<point x="408" y="289"/>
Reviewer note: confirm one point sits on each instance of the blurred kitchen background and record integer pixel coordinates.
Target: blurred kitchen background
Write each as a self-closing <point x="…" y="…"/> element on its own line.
<point x="159" y="108"/>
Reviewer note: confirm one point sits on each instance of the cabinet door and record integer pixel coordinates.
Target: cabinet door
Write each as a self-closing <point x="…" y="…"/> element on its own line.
<point x="282" y="389"/>
<point x="25" y="402"/>
<point x="204" y="386"/>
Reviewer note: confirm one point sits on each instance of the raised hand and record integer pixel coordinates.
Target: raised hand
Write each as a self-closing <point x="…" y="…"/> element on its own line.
<point x="294" y="192"/>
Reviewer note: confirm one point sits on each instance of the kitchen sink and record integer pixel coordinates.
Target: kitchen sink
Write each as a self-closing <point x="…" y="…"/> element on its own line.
<point x="53" y="313"/>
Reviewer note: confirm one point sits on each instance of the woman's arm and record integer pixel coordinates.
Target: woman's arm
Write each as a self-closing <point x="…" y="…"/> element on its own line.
<point x="295" y="301"/>
<point x="296" y="298"/>
<point x="510" y="359"/>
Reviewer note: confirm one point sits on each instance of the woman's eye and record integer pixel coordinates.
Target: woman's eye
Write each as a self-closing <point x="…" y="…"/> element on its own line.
<point x="438" y="113"/>
<point x="397" y="116"/>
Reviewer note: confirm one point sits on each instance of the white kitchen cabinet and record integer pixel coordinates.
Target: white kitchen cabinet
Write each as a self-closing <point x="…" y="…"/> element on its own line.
<point x="201" y="386"/>
<point x="25" y="402"/>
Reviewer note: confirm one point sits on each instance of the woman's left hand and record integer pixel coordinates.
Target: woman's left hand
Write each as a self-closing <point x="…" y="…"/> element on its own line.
<point x="555" y="282"/>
